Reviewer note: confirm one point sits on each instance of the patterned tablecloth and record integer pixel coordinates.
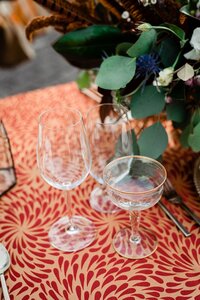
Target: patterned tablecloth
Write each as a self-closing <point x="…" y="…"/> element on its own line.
<point x="38" y="271"/>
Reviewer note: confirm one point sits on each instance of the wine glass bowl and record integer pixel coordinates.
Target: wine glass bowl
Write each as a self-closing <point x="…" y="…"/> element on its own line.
<point x="109" y="134"/>
<point x="64" y="161"/>
<point x="134" y="183"/>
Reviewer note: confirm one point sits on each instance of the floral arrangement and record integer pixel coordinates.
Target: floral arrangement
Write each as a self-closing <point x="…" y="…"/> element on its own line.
<point x="146" y="56"/>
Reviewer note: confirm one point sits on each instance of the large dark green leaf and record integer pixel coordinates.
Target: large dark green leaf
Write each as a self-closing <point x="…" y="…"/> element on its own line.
<point x="147" y="102"/>
<point x="153" y="141"/>
<point x="115" y="72"/>
<point x="86" y="47"/>
<point x="144" y="44"/>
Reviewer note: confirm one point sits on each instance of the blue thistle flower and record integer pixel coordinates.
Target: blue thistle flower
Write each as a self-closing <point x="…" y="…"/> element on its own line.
<point x="147" y="65"/>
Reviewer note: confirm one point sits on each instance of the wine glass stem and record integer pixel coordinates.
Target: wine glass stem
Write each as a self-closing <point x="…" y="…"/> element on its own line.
<point x="135" y="222"/>
<point x="71" y="227"/>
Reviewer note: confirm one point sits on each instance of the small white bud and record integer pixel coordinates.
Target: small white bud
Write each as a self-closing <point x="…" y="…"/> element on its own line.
<point x="144" y="27"/>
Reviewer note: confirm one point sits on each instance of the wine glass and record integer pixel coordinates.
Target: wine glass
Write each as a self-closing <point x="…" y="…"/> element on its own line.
<point x="135" y="183"/>
<point x="109" y="133"/>
<point x="64" y="161"/>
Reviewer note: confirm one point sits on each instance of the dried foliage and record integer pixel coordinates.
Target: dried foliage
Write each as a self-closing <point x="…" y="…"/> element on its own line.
<point x="41" y="22"/>
<point x="75" y="14"/>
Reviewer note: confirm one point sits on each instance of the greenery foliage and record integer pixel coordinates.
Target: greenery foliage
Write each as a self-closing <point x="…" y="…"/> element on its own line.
<point x="146" y="54"/>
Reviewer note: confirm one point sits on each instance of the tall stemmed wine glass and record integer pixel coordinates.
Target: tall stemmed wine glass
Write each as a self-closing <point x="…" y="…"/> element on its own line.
<point x="64" y="161"/>
<point x="135" y="183"/>
<point x="109" y="133"/>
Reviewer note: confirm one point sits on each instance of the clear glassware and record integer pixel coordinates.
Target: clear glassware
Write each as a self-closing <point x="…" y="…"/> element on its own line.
<point x="109" y="137"/>
<point x="64" y="161"/>
<point x="134" y="183"/>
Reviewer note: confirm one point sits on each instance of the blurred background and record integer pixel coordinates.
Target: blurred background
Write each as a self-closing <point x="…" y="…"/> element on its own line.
<point x="28" y="65"/>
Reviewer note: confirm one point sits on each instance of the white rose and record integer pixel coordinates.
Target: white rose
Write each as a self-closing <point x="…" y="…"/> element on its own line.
<point x="165" y="77"/>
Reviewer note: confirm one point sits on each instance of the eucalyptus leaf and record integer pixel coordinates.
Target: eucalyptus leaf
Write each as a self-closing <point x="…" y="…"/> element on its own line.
<point x="147" y="102"/>
<point x="115" y="72"/>
<point x="186" y="72"/>
<point x="144" y="44"/>
<point x="153" y="141"/>
<point x="176" y="111"/>
<point x="195" y="117"/>
<point x="185" y="135"/>
<point x="194" y="138"/>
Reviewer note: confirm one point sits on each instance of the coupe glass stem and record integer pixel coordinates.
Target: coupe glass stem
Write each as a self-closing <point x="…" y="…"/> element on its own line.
<point x="135" y="222"/>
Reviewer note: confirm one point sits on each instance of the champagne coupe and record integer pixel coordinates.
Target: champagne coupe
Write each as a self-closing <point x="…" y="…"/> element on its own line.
<point x="109" y="133"/>
<point x="135" y="183"/>
<point x="64" y="161"/>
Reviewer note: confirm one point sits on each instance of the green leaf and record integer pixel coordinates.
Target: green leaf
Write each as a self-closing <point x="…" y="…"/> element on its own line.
<point x="86" y="47"/>
<point x="144" y="44"/>
<point x="168" y="50"/>
<point x="176" y="111"/>
<point x="196" y="117"/>
<point x="122" y="48"/>
<point x="190" y="9"/>
<point x="153" y="141"/>
<point x="180" y="33"/>
<point x="83" y="79"/>
<point x="115" y="72"/>
<point x="147" y="102"/>
<point x="186" y="10"/>
<point x="194" y="138"/>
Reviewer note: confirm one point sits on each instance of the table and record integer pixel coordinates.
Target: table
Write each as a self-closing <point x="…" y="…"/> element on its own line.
<point x="38" y="271"/>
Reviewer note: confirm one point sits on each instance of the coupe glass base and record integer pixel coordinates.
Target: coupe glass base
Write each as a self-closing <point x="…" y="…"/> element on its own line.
<point x="72" y="236"/>
<point x="135" y="250"/>
<point x="100" y="201"/>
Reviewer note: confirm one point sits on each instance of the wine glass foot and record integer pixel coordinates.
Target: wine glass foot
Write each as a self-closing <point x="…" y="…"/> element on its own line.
<point x="101" y="202"/>
<point x="144" y="247"/>
<point x="72" y="234"/>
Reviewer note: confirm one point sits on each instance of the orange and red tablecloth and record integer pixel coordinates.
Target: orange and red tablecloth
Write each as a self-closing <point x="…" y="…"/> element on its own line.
<point x="38" y="271"/>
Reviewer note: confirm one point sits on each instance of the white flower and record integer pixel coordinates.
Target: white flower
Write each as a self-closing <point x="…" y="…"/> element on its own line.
<point x="194" y="54"/>
<point x="165" y="77"/>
